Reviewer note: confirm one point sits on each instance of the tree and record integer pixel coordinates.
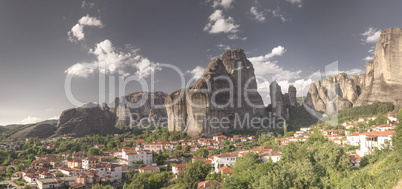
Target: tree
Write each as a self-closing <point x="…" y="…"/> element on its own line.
<point x="187" y="148"/>
<point x="102" y="187"/>
<point x="201" y="153"/>
<point x="214" y="176"/>
<point x="179" y="147"/>
<point x="93" y="152"/>
<point x="59" y="174"/>
<point x="397" y="138"/>
<point x="194" y="173"/>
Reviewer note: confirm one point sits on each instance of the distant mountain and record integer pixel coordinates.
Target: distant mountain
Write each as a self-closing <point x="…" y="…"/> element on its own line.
<point x="41" y="130"/>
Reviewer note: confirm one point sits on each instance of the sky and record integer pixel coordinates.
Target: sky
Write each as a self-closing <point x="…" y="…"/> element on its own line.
<point x="54" y="54"/>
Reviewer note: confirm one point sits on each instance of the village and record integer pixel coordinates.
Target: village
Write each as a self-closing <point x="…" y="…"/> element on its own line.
<point x="78" y="170"/>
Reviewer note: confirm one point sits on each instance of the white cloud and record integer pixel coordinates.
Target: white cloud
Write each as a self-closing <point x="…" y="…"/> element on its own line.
<point x="222" y="3"/>
<point x="54" y="117"/>
<point x="109" y="60"/>
<point x="196" y="72"/>
<point x="223" y="47"/>
<point x="372" y="35"/>
<point x="30" y="119"/>
<point x="235" y="37"/>
<point x="77" y="31"/>
<point x="277" y="14"/>
<point x="89" y="5"/>
<point x="257" y="15"/>
<point x="219" y="24"/>
<point x="296" y="2"/>
<point x="368" y="58"/>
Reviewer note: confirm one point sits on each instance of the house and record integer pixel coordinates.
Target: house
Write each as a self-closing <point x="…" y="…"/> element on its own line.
<point x="209" y="184"/>
<point x="353" y="139"/>
<point x="130" y="157"/>
<point x="219" y="138"/>
<point x="274" y="156"/>
<point x="77" y="155"/>
<point x="178" y="168"/>
<point x="305" y="129"/>
<point x="58" y="182"/>
<point x="225" y="159"/>
<point x="148" y="169"/>
<point x="374" y="140"/>
<point x="355" y="159"/>
<point x="128" y="139"/>
<point x="31" y="178"/>
<point x="17" y="175"/>
<point x="263" y="149"/>
<point x="384" y="127"/>
<point x="113" y="172"/>
<point x="74" y="162"/>
<point x="193" y="148"/>
<point x="157" y="146"/>
<point x="226" y="170"/>
<point x="90" y="161"/>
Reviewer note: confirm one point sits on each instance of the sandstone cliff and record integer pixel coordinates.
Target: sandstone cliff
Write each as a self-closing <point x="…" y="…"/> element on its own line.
<point x="225" y="93"/>
<point x="382" y="81"/>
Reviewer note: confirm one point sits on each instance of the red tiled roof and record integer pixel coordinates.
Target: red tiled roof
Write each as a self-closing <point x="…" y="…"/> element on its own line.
<point x="227" y="170"/>
<point x="379" y="133"/>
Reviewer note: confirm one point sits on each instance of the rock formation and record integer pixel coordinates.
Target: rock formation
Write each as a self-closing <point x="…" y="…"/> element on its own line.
<point x="133" y="109"/>
<point x="382" y="81"/>
<point x="41" y="130"/>
<point x="223" y="99"/>
<point x="88" y="119"/>
<point x="139" y="107"/>
<point x="280" y="102"/>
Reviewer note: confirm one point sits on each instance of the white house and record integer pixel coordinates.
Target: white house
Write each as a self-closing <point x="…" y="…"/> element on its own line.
<point x="148" y="169"/>
<point x="353" y="139"/>
<point x="384" y="127"/>
<point x="275" y="157"/>
<point x="372" y="140"/>
<point x="90" y="161"/>
<point x="129" y="157"/>
<point x="219" y="138"/>
<point x="221" y="160"/>
<point x="179" y="168"/>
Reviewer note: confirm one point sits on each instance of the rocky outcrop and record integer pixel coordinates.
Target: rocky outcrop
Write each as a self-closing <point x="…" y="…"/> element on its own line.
<point x="280" y="102"/>
<point x="382" y="81"/>
<point x="139" y="108"/>
<point x="333" y="93"/>
<point x="133" y="109"/>
<point x="88" y="119"/>
<point x="42" y="130"/>
<point x="219" y="101"/>
<point x="292" y="95"/>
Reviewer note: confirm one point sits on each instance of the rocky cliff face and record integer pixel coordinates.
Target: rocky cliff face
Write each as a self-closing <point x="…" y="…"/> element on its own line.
<point x="280" y="102"/>
<point x="88" y="119"/>
<point x="219" y="101"/>
<point x="133" y="109"/>
<point x="382" y="81"/>
<point x="140" y="107"/>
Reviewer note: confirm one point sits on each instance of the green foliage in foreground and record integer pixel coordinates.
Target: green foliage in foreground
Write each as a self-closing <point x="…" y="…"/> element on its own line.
<point x="317" y="164"/>
<point x="194" y="173"/>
